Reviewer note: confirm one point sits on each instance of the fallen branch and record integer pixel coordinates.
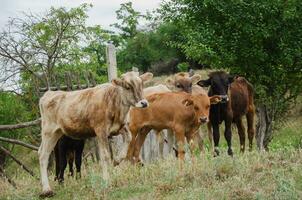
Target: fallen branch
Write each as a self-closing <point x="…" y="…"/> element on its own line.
<point x="21" y="125"/>
<point x="13" y="141"/>
<point x="10" y="181"/>
<point x="16" y="160"/>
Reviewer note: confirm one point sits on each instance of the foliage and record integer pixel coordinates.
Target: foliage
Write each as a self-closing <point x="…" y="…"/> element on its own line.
<point x="12" y="110"/>
<point x="148" y="48"/>
<point x="260" y="40"/>
<point x="128" y="18"/>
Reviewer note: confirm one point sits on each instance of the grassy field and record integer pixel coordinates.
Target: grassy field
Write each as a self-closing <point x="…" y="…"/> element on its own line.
<point x="253" y="175"/>
<point x="267" y="175"/>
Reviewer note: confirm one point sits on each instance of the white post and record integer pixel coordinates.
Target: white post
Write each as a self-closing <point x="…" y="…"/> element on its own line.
<point x="117" y="142"/>
<point x="111" y="62"/>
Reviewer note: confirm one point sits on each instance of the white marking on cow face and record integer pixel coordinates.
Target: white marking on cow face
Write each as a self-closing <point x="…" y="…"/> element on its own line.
<point x="142" y="104"/>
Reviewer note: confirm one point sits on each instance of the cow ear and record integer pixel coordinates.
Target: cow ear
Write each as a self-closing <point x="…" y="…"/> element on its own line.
<point x="215" y="99"/>
<point x="187" y="102"/>
<point x="231" y="78"/>
<point x="170" y="82"/>
<point x="118" y="82"/>
<point x="195" y="78"/>
<point x="204" y="83"/>
<point x="146" y="77"/>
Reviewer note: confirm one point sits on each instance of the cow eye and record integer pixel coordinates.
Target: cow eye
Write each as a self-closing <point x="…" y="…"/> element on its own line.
<point x="127" y="87"/>
<point x="196" y="108"/>
<point x="190" y="84"/>
<point x="178" y="85"/>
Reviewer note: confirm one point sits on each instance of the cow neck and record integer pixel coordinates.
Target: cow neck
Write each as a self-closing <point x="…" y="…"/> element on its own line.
<point x="116" y="103"/>
<point x="219" y="110"/>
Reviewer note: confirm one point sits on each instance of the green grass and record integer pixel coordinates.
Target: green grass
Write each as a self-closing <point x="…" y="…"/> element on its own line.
<point x="273" y="175"/>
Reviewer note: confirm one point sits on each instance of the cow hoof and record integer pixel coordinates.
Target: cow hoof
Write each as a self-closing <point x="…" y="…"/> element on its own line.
<point x="216" y="153"/>
<point x="78" y="175"/>
<point x="230" y="152"/>
<point x="47" y="194"/>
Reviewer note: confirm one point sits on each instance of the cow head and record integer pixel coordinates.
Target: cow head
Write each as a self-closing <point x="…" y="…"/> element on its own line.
<point x="132" y="86"/>
<point x="219" y="84"/>
<point x="182" y="81"/>
<point x="201" y="105"/>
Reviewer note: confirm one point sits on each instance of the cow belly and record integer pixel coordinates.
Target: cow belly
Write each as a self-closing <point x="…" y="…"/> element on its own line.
<point x="79" y="134"/>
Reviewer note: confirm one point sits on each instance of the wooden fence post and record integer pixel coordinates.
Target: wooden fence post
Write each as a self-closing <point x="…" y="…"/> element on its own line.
<point x="111" y="62"/>
<point x="117" y="141"/>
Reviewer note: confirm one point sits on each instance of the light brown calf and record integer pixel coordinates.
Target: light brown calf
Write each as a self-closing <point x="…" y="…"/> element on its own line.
<point x="99" y="111"/>
<point x="187" y="82"/>
<point x="181" y="112"/>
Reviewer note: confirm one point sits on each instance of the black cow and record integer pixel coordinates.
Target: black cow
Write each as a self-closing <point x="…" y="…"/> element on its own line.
<point x="68" y="149"/>
<point x="240" y="102"/>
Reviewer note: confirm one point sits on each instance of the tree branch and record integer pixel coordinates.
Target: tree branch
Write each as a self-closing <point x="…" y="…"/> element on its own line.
<point x="13" y="141"/>
<point x="21" y="125"/>
<point x="7" y="152"/>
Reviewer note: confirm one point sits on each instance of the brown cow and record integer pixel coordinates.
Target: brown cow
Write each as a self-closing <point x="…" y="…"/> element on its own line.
<point x="99" y="111"/>
<point x="186" y="81"/>
<point x="240" y="102"/>
<point x="181" y="112"/>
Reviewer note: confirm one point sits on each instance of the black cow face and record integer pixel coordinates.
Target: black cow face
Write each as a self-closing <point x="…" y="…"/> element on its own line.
<point x="219" y="83"/>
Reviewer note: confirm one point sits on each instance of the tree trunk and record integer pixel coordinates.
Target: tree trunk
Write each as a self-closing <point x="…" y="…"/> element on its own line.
<point x="263" y="127"/>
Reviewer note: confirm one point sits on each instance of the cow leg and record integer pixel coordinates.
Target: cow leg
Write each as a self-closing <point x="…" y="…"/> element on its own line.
<point x="200" y="140"/>
<point x="70" y="162"/>
<point x="241" y="133"/>
<point x="49" y="140"/>
<point x="63" y="162"/>
<point x="78" y="158"/>
<point x="170" y="140"/>
<point x="57" y="158"/>
<point x="134" y="132"/>
<point x="228" y="135"/>
<point x="250" y="127"/>
<point x="216" y="137"/>
<point x="139" y="143"/>
<point x="180" y="138"/>
<point x="210" y="136"/>
<point x="105" y="159"/>
<point x="161" y="141"/>
<point x="190" y="140"/>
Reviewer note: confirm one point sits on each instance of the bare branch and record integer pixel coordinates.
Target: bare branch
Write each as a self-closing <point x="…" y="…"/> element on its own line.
<point x="21" y="125"/>
<point x="13" y="141"/>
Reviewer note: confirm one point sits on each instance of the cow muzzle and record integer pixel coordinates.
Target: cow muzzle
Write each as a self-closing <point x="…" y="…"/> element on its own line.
<point x="224" y="98"/>
<point x="142" y="104"/>
<point x="203" y="120"/>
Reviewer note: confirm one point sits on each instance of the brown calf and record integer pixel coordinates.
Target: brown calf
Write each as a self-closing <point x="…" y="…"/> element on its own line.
<point x="181" y="112"/>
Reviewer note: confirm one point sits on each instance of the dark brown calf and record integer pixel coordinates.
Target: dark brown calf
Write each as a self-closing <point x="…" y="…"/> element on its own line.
<point x="240" y="102"/>
<point x="68" y="150"/>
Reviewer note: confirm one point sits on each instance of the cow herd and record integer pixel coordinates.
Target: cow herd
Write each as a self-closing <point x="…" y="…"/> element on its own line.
<point x="124" y="107"/>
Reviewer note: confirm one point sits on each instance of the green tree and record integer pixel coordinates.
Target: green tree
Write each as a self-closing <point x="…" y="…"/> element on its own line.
<point x="261" y="40"/>
<point x="128" y="20"/>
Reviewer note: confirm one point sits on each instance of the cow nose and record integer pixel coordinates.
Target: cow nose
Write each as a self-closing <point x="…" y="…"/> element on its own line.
<point x="142" y="104"/>
<point x="224" y="98"/>
<point x="203" y="119"/>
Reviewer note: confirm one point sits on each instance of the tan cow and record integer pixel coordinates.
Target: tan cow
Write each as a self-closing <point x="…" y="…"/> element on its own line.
<point x="99" y="111"/>
<point x="181" y="112"/>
